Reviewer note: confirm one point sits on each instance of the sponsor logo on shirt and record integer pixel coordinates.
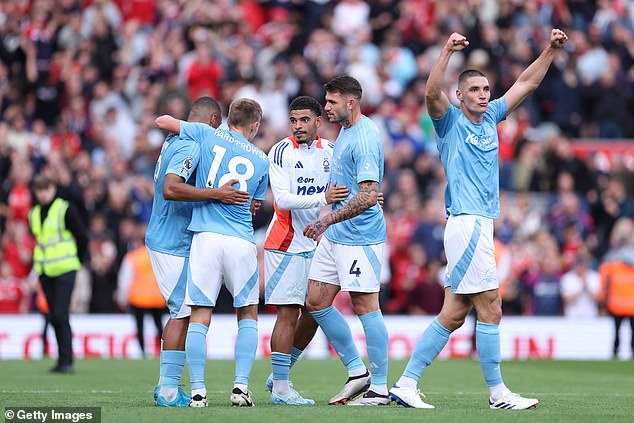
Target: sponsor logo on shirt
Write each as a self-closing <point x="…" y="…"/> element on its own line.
<point x="484" y="143"/>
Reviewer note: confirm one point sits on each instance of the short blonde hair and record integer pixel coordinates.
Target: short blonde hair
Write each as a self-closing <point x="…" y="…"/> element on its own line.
<point x="243" y="112"/>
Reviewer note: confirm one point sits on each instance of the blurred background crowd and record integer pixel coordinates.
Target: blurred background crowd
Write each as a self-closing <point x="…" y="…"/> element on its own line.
<point x="82" y="81"/>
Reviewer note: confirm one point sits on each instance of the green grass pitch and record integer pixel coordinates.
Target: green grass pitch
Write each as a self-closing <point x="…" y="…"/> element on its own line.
<point x="568" y="391"/>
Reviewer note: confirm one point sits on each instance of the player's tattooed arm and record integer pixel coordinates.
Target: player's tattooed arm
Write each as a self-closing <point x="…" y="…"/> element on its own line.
<point x="366" y="197"/>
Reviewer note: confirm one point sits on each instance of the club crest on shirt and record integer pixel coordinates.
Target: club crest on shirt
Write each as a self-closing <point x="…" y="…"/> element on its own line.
<point x="326" y="165"/>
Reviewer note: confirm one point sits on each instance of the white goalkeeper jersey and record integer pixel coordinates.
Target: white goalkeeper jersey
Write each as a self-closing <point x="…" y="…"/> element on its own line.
<point x="299" y="176"/>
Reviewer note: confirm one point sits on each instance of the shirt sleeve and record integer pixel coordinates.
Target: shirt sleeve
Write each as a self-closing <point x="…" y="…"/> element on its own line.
<point x="185" y="159"/>
<point x="195" y="131"/>
<point x="498" y="109"/>
<point x="75" y="225"/>
<point x="280" y="180"/>
<point x="366" y="157"/>
<point x="260" y="192"/>
<point x="443" y="123"/>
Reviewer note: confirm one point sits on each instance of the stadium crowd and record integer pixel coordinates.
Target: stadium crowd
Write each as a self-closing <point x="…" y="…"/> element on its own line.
<point x="81" y="83"/>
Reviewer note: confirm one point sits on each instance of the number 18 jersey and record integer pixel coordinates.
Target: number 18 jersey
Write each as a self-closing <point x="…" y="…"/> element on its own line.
<point x="226" y="155"/>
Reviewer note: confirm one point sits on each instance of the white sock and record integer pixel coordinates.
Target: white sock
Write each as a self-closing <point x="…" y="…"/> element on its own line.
<point x="201" y="391"/>
<point x="243" y="388"/>
<point x="357" y="372"/>
<point x="281" y="387"/>
<point x="498" y="391"/>
<point x="169" y="393"/>
<point x="406" y="382"/>
<point x="379" y="389"/>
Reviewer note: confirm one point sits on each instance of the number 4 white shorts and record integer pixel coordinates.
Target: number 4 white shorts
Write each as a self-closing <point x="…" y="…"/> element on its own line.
<point x="355" y="268"/>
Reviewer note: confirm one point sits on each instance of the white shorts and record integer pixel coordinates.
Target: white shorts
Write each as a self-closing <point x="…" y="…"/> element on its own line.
<point x="470" y="254"/>
<point x="171" y="275"/>
<point x="355" y="268"/>
<point x="214" y="257"/>
<point x="286" y="277"/>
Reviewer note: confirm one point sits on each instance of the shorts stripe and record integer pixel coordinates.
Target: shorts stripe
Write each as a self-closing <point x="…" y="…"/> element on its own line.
<point x="177" y="298"/>
<point x="197" y="296"/>
<point x="271" y="284"/>
<point x="374" y="261"/>
<point x="241" y="299"/>
<point x="459" y="271"/>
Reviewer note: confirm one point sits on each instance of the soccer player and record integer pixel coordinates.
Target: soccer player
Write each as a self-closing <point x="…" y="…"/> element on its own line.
<point x="299" y="175"/>
<point x="349" y="255"/>
<point x="168" y="242"/>
<point x="223" y="245"/>
<point x="468" y="144"/>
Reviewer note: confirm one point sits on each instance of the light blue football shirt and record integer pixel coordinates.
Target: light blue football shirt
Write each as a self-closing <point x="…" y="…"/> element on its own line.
<point x="226" y="155"/>
<point x="167" y="231"/>
<point x="469" y="155"/>
<point x="358" y="157"/>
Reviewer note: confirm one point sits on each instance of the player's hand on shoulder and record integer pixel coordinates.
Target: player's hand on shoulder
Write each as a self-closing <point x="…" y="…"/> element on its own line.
<point x="557" y="38"/>
<point x="456" y="42"/>
<point x="335" y="193"/>
<point x="315" y="228"/>
<point x="230" y="195"/>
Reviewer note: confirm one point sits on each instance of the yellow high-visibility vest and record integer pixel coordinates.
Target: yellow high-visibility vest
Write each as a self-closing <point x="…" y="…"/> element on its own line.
<point x="56" y="249"/>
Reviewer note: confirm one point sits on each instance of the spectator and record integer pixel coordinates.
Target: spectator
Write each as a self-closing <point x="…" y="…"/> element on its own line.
<point x="581" y="289"/>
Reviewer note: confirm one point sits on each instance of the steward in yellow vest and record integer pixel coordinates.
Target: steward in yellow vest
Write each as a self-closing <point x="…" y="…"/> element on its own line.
<point x="61" y="240"/>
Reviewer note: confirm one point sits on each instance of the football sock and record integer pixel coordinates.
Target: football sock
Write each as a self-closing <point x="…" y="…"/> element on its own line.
<point x="281" y="364"/>
<point x="429" y="345"/>
<point x="241" y="386"/>
<point x="488" y="344"/>
<point x="161" y="365"/>
<point x="379" y="389"/>
<point x="497" y="392"/>
<point x="338" y="333"/>
<point x="406" y="382"/>
<point x="196" y="353"/>
<point x="295" y="353"/>
<point x="173" y="362"/>
<point x="376" y="339"/>
<point x="246" y="347"/>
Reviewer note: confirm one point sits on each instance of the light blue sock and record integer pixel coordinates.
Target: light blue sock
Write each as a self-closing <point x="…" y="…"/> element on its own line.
<point x="430" y="344"/>
<point x="488" y="344"/>
<point x="295" y="353"/>
<point x="161" y="366"/>
<point x="196" y="352"/>
<point x="338" y="333"/>
<point x="376" y="339"/>
<point x="172" y="363"/>
<point x="281" y="364"/>
<point x="246" y="347"/>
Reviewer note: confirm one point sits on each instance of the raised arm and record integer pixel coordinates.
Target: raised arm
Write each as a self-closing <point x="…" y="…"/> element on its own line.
<point x="533" y="75"/>
<point x="437" y="100"/>
<point x="175" y="188"/>
<point x="168" y="123"/>
<point x="366" y="197"/>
